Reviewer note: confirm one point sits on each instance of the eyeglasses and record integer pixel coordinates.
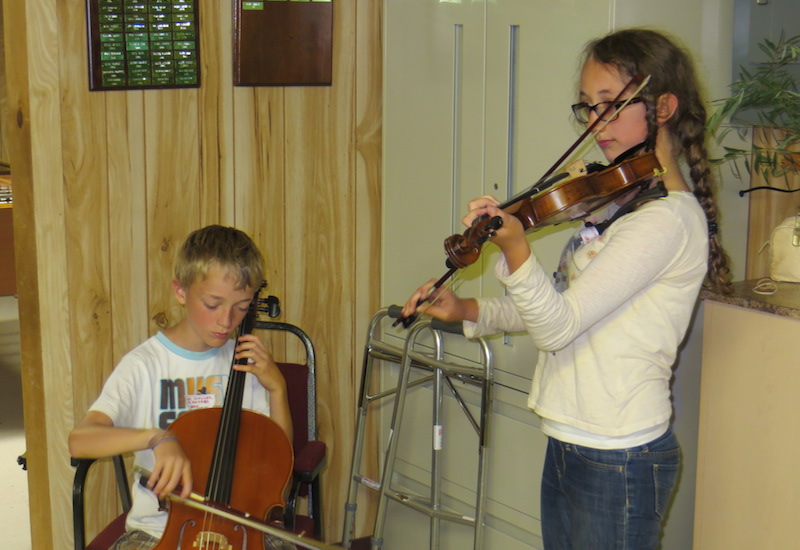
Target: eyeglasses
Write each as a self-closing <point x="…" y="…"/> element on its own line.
<point x="582" y="110"/>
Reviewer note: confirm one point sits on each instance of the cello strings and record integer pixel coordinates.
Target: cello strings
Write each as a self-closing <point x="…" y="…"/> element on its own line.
<point x="219" y="476"/>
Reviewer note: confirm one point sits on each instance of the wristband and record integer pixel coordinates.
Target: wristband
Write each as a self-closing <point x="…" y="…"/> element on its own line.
<point x="160" y="437"/>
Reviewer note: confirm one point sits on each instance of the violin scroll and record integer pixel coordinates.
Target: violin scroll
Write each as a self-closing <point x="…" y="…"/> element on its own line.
<point x="464" y="250"/>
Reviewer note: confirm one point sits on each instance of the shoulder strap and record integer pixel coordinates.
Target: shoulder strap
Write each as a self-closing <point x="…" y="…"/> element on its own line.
<point x="657" y="191"/>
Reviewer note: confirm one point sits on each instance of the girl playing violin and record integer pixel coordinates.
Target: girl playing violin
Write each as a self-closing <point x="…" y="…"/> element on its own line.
<point x="609" y="326"/>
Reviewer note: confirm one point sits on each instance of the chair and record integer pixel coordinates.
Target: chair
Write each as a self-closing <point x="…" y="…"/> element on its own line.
<point x="309" y="453"/>
<point x="113" y="530"/>
<point x="310" y="457"/>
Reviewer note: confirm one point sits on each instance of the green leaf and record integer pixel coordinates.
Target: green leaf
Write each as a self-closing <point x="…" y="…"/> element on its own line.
<point x="770" y="94"/>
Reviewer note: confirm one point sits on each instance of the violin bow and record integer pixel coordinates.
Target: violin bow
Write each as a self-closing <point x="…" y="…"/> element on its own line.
<point x="200" y="502"/>
<point x="639" y="81"/>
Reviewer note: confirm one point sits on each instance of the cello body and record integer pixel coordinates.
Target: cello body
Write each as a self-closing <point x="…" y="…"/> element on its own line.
<point x="263" y="468"/>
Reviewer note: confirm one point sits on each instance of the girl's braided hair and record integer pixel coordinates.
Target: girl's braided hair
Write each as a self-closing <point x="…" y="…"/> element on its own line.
<point x="671" y="71"/>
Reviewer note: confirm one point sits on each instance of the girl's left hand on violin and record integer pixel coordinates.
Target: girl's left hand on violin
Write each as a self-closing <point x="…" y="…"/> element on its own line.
<point x="259" y="363"/>
<point x="510" y="238"/>
<point x="511" y="231"/>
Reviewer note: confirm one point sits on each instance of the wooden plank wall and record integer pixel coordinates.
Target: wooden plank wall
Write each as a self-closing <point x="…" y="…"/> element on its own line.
<point x="107" y="184"/>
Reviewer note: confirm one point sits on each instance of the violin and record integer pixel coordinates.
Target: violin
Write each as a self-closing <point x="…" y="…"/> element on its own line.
<point x="570" y="201"/>
<point x="541" y="206"/>
<point x="246" y="467"/>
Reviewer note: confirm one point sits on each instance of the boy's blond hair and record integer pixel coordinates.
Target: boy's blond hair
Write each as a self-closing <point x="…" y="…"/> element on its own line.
<point x="224" y="247"/>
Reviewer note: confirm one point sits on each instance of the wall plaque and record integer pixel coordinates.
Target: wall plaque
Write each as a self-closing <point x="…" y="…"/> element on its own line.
<point x="138" y="44"/>
<point x="282" y="42"/>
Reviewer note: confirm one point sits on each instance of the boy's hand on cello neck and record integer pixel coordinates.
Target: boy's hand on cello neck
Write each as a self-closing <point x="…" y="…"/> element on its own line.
<point x="261" y="364"/>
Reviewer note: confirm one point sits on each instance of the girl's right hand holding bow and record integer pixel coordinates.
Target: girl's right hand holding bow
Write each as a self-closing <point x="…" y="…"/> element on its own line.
<point x="442" y="304"/>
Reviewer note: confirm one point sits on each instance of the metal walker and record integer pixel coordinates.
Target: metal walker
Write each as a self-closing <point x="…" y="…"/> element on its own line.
<point x="440" y="372"/>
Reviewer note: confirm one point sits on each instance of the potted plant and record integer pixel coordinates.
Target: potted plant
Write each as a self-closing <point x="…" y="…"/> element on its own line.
<point x="767" y="100"/>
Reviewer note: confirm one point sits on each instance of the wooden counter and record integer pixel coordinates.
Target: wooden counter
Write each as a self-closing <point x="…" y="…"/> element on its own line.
<point x="748" y="490"/>
<point x="785" y="301"/>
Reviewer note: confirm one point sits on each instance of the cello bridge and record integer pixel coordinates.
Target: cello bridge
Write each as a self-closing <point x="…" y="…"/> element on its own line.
<point x="209" y="540"/>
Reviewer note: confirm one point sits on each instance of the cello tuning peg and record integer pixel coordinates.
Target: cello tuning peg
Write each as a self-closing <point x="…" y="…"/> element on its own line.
<point x="273" y="308"/>
<point x="270" y="305"/>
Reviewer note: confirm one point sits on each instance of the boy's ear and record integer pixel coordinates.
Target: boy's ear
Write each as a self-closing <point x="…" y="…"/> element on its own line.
<point x="666" y="105"/>
<point x="180" y="292"/>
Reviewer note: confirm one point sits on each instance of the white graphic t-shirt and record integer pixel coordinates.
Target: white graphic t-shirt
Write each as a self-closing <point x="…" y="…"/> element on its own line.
<point x="154" y="384"/>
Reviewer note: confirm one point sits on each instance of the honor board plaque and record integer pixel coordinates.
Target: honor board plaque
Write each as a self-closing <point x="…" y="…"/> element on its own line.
<point x="140" y="44"/>
<point x="282" y="42"/>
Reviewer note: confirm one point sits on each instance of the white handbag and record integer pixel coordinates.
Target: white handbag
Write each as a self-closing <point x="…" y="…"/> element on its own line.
<point x="784" y="251"/>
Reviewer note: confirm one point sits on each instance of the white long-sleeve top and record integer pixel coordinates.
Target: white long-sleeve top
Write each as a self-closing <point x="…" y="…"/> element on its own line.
<point x="607" y="343"/>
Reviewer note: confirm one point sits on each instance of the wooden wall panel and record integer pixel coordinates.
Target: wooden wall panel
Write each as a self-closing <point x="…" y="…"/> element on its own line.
<point x="368" y="205"/>
<point x="107" y="184"/>
<point x="324" y="263"/>
<point x="174" y="191"/>
<point x="258" y="199"/>
<point x="86" y="228"/>
<point x="21" y="149"/>
<point x="85" y="193"/>
<point x="215" y="106"/>
<point x="127" y="235"/>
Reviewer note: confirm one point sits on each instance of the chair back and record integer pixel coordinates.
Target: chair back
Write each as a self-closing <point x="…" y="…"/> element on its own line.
<point x="296" y="376"/>
<point x="301" y="385"/>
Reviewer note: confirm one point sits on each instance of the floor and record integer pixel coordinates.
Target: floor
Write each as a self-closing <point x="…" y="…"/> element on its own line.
<point x="14" y="522"/>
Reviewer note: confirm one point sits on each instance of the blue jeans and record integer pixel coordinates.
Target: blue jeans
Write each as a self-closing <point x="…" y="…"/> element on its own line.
<point x="616" y="499"/>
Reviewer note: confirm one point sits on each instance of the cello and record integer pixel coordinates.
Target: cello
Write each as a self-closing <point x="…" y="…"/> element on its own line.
<point x="243" y="472"/>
